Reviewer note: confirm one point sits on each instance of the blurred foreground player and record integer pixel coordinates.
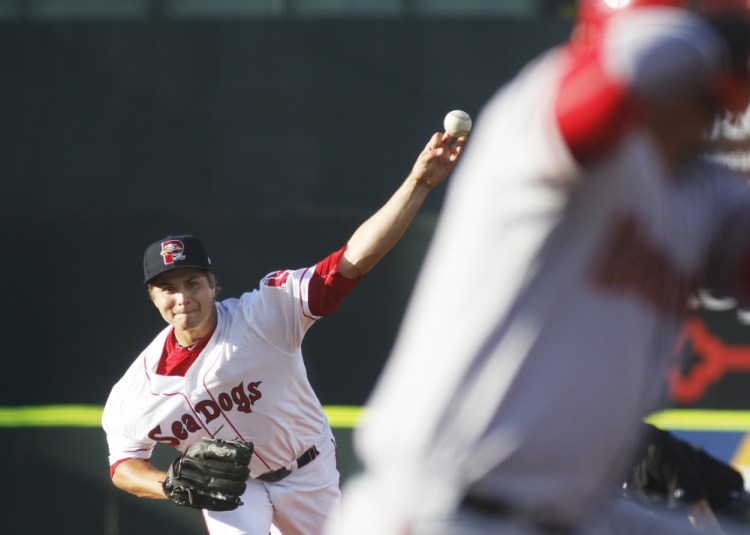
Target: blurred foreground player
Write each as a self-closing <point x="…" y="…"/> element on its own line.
<point x="233" y="370"/>
<point x="575" y="227"/>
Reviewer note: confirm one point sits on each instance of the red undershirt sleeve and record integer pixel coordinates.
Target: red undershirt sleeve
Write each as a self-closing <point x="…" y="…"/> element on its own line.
<point x="328" y="288"/>
<point x="593" y="109"/>
<point x="113" y="467"/>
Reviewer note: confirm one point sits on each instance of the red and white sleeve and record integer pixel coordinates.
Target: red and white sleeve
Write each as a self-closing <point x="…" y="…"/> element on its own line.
<point x="327" y="288"/>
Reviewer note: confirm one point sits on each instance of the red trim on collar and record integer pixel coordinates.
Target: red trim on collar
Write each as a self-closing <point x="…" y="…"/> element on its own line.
<point x="176" y="360"/>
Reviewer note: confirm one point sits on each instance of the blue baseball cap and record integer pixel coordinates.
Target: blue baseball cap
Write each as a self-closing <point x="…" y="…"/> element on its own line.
<point x="172" y="252"/>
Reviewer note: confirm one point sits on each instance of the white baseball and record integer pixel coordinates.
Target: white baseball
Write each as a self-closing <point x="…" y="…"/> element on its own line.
<point x="457" y="123"/>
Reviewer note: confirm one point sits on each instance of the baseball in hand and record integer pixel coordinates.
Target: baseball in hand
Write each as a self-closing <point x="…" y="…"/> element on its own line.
<point x="457" y="123"/>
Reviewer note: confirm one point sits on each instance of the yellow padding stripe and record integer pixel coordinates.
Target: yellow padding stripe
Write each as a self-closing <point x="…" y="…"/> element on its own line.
<point x="51" y="416"/>
<point x="343" y="415"/>
<point x="91" y="416"/>
<point x="701" y="420"/>
<point x="347" y="416"/>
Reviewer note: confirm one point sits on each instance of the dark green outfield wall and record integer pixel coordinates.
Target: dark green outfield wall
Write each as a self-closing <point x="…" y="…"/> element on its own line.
<point x="270" y="139"/>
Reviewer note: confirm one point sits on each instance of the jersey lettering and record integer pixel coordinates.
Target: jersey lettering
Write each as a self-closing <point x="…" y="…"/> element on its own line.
<point x="632" y="264"/>
<point x="225" y="401"/>
<point x="240" y="398"/>
<point x="179" y="431"/>
<point x="155" y="434"/>
<point x="252" y="390"/>
<point x="208" y="409"/>
<point x="190" y="423"/>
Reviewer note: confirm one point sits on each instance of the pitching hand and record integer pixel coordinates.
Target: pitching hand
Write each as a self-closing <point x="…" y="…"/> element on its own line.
<point x="437" y="159"/>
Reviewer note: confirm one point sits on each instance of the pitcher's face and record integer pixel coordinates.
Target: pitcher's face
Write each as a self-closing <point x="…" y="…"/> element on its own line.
<point x="185" y="299"/>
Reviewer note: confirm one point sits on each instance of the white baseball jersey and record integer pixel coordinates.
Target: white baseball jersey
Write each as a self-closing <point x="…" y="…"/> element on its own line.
<point x="536" y="336"/>
<point x="248" y="383"/>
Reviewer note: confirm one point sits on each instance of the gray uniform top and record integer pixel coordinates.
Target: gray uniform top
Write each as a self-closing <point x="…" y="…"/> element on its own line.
<point x="547" y="306"/>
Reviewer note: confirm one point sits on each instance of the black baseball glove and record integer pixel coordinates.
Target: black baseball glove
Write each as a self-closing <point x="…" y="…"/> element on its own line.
<point x="211" y="474"/>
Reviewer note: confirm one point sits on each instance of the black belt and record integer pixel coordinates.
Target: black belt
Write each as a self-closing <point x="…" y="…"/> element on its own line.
<point x="281" y="473"/>
<point x="497" y="509"/>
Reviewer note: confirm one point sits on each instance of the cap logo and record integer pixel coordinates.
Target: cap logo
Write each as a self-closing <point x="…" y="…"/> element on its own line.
<point x="172" y="251"/>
